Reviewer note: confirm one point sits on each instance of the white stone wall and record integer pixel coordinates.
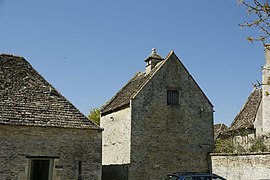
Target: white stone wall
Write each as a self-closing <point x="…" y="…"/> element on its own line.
<point x="116" y="137"/>
<point x="266" y="99"/>
<point x="258" y="123"/>
<point x="244" y="140"/>
<point x="242" y="167"/>
<point x="266" y="92"/>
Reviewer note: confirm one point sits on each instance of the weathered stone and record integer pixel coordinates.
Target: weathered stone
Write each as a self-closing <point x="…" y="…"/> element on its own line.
<point x="39" y="125"/>
<point x="66" y="146"/>
<point x="163" y="138"/>
<point x="242" y="166"/>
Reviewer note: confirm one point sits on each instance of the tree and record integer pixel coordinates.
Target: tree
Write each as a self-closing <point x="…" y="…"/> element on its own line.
<point x="258" y="11"/>
<point x="94" y="115"/>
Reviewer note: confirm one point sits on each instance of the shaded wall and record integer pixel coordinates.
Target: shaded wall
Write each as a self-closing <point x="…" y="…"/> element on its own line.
<point x="115" y="172"/>
<point x="164" y="138"/>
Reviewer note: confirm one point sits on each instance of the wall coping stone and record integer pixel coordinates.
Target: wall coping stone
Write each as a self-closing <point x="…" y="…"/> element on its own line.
<point x="239" y="154"/>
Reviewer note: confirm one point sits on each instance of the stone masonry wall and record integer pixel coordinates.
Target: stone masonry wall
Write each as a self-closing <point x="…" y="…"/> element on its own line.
<point x="258" y="123"/>
<point x="242" y="166"/>
<point x="67" y="146"/>
<point x="266" y="92"/>
<point x="166" y="138"/>
<point x="116" y="137"/>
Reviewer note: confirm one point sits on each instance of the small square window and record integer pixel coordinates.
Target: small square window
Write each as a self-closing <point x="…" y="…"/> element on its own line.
<point x="173" y="97"/>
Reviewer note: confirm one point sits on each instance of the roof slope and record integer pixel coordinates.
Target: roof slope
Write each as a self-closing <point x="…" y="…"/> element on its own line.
<point x="219" y="128"/>
<point x="125" y="94"/>
<point x="134" y="86"/>
<point x="26" y="98"/>
<point x="246" y="117"/>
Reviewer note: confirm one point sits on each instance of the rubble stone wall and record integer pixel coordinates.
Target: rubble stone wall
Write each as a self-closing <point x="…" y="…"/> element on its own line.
<point x="242" y="166"/>
<point x="170" y="138"/>
<point x="75" y="152"/>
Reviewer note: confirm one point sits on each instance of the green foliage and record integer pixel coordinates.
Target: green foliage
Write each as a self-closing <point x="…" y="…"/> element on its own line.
<point x="258" y="145"/>
<point x="224" y="146"/>
<point x="228" y="146"/>
<point x="94" y="115"/>
<point x="239" y="148"/>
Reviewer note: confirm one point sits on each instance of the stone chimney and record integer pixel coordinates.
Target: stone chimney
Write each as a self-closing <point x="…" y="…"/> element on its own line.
<point x="266" y="91"/>
<point x="152" y="60"/>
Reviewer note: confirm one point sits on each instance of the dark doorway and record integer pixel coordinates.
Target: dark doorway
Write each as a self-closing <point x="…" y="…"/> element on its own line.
<point x="40" y="169"/>
<point x="115" y="172"/>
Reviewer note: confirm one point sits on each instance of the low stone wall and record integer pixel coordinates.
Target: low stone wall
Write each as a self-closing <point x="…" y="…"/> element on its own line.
<point x="252" y="166"/>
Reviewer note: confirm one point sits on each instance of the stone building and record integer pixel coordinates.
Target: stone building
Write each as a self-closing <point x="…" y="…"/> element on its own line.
<point x="248" y="159"/>
<point x="159" y="122"/>
<point x="253" y="120"/>
<point x="42" y="135"/>
<point x="218" y="129"/>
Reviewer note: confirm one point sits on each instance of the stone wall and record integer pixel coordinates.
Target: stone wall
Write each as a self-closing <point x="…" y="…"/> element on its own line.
<point x="67" y="147"/>
<point x="116" y="137"/>
<point x="258" y="123"/>
<point x="266" y="92"/>
<point x="253" y="166"/>
<point x="166" y="138"/>
<point x="245" y="140"/>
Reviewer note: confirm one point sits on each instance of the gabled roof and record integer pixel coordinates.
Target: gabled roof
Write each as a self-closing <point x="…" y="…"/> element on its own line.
<point x="123" y="96"/>
<point x="246" y="117"/>
<point x="126" y="93"/>
<point x="219" y="128"/>
<point x="134" y="86"/>
<point x="26" y="98"/>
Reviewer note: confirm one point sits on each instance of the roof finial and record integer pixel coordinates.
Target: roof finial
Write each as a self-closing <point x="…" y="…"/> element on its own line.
<point x="155" y="55"/>
<point x="154" y="51"/>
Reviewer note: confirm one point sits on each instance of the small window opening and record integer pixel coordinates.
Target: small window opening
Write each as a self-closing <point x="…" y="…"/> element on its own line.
<point x="173" y="97"/>
<point x="80" y="171"/>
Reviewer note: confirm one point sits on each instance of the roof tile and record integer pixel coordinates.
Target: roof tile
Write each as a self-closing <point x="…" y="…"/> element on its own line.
<point x="26" y="98"/>
<point x="246" y="117"/>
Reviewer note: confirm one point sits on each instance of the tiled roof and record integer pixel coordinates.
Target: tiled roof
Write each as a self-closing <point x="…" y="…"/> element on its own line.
<point x="133" y="86"/>
<point x="154" y="55"/>
<point x="124" y="95"/>
<point x="246" y="117"/>
<point x="26" y="98"/>
<point x="219" y="128"/>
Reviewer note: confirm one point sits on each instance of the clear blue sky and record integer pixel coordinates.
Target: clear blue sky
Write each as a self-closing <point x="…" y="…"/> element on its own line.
<point x="88" y="49"/>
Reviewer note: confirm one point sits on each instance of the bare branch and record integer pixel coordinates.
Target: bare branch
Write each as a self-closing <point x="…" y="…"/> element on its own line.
<point x="259" y="12"/>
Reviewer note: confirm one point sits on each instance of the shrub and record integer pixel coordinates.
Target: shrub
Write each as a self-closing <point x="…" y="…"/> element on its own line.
<point x="258" y="145"/>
